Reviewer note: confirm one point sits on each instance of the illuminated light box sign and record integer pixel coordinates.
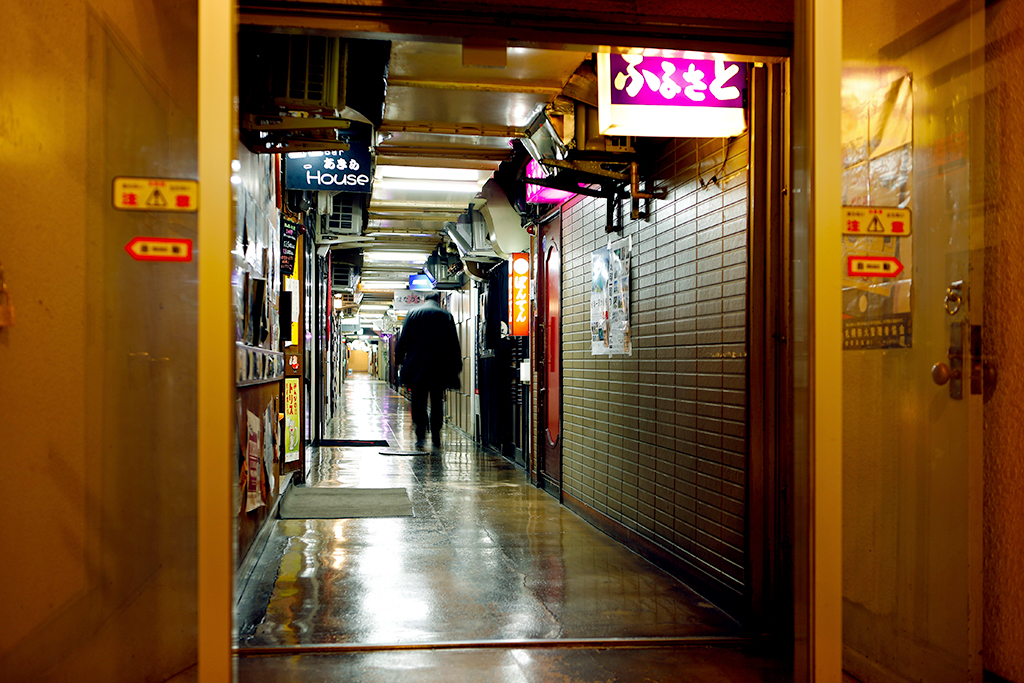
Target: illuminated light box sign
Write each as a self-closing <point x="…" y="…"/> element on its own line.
<point x="538" y="194"/>
<point x="519" y="294"/>
<point x="420" y="282"/>
<point x="334" y="170"/>
<point x="651" y="96"/>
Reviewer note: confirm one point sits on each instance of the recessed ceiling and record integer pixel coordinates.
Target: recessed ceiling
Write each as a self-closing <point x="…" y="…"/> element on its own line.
<point x="440" y="113"/>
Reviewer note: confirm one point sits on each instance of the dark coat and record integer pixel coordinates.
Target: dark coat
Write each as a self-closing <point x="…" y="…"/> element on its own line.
<point x="428" y="348"/>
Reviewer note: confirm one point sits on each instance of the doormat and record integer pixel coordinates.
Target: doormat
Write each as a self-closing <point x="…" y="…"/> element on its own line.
<point x="334" y="443"/>
<point x="304" y="502"/>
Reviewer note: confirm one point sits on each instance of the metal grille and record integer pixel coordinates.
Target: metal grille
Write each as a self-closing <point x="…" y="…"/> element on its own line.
<point x="346" y="216"/>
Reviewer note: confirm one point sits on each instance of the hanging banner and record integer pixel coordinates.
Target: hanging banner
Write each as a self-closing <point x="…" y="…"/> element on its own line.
<point x="408" y="299"/>
<point x="519" y="294"/>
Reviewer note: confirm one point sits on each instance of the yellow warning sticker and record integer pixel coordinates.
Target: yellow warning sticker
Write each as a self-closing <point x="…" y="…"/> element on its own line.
<point x="876" y="221"/>
<point x="156" y="194"/>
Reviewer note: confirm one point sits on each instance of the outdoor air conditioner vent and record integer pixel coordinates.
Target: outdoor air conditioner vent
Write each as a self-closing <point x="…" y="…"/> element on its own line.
<point x="322" y="75"/>
<point x="346" y="214"/>
<point x="302" y="71"/>
<point x="343" y="276"/>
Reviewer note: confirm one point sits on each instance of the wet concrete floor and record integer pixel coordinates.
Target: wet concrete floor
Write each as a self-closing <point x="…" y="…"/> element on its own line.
<point x="489" y="580"/>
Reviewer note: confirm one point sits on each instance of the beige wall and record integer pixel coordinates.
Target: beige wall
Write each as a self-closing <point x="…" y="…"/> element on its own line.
<point x="358" y="361"/>
<point x="884" y="514"/>
<point x="1004" y="324"/>
<point x="98" y="388"/>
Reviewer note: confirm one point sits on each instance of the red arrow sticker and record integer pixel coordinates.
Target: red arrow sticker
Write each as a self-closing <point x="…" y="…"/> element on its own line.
<point x="873" y="266"/>
<point x="159" y="249"/>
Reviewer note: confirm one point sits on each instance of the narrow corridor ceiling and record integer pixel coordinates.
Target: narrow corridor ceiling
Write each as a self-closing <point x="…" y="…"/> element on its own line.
<point x="441" y="113"/>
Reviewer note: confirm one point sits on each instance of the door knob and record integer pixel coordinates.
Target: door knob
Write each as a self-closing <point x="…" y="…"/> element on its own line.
<point x="942" y="373"/>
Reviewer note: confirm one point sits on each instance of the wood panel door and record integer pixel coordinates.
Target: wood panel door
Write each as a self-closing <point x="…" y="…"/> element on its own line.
<point x="550" y="355"/>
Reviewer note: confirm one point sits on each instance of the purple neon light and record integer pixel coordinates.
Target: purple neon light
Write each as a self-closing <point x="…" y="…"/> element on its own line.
<point x="674" y="82"/>
<point x="538" y="194"/>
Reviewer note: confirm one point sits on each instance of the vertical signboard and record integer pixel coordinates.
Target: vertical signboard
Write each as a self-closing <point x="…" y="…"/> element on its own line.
<point x="292" y="442"/>
<point x="289" y="242"/>
<point x="519" y="294"/>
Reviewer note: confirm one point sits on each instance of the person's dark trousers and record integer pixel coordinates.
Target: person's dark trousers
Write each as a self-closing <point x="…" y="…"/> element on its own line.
<point x="419" y="412"/>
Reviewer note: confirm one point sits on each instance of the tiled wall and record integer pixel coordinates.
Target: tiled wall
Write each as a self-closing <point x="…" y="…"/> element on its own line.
<point x="656" y="441"/>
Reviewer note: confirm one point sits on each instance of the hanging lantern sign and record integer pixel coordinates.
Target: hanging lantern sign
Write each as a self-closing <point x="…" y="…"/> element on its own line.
<point x="519" y="294"/>
<point x="655" y="96"/>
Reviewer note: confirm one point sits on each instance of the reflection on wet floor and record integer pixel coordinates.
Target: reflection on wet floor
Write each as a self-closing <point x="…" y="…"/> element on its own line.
<point x="486" y="557"/>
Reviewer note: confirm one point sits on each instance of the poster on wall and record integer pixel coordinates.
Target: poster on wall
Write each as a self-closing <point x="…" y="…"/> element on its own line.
<point x="253" y="456"/>
<point x="620" y="255"/>
<point x="269" y="442"/>
<point x="599" y="302"/>
<point x="610" y="331"/>
<point x="878" y="154"/>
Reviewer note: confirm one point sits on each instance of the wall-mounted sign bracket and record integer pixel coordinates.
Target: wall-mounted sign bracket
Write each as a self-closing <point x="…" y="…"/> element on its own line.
<point x="617" y="180"/>
<point x="284" y="132"/>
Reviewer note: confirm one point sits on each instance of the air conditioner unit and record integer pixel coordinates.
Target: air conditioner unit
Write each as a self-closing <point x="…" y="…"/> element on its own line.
<point x="343" y="277"/>
<point x="342" y="216"/>
<point x="322" y="75"/>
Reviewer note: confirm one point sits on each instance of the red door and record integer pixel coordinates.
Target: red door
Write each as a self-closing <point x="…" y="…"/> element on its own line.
<point x="550" y="342"/>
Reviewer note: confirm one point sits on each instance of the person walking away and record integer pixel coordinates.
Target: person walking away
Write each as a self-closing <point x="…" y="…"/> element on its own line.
<point x="430" y="360"/>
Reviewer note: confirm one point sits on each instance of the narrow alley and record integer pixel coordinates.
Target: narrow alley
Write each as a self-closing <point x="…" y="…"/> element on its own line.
<point x="489" y="576"/>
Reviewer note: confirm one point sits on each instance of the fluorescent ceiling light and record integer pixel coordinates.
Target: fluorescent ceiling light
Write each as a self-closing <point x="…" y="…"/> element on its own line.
<point x="451" y="186"/>
<point x="396" y="256"/>
<point x="427" y="173"/>
<point x="383" y="284"/>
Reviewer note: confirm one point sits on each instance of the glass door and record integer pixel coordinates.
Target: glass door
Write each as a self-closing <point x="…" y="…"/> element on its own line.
<point x="912" y="125"/>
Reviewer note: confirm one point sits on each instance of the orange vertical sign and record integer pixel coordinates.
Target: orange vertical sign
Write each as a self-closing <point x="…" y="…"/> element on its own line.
<point x="519" y="294"/>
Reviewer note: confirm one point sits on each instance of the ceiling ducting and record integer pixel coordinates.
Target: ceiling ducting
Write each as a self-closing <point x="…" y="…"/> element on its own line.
<point x="470" y="236"/>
